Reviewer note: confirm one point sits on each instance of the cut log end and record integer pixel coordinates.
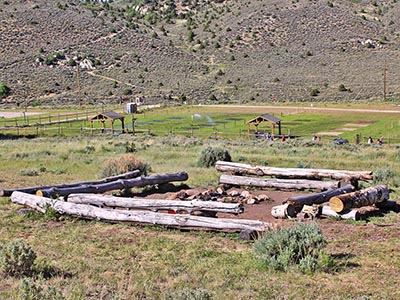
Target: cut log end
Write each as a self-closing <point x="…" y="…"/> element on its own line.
<point x="336" y="204"/>
<point x="39" y="193"/>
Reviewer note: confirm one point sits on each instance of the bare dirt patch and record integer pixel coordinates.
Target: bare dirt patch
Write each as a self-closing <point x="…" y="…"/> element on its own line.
<point x="16" y="114"/>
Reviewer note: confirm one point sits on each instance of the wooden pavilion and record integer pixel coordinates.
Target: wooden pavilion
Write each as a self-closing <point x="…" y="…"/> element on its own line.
<point x="272" y="120"/>
<point x="107" y="116"/>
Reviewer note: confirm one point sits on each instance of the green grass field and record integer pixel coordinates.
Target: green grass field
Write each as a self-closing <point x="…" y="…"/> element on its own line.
<point x="96" y="260"/>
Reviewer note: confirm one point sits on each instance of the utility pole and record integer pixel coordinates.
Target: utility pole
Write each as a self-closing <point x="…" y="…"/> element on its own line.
<point x="79" y="84"/>
<point x="384" y="81"/>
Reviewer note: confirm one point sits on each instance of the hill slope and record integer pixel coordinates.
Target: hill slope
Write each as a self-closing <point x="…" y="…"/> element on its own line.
<point x="206" y="51"/>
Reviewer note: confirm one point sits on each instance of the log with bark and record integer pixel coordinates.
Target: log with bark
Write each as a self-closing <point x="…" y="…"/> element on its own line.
<point x="245" y="169"/>
<point x="114" y="185"/>
<point x="155" y="204"/>
<point x="360" y="198"/>
<point x="284" y="211"/>
<point x="144" y="217"/>
<point x="34" y="189"/>
<point x="285" y="184"/>
<point x="318" y="198"/>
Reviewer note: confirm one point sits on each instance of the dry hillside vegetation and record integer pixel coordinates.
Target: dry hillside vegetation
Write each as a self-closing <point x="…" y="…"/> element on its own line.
<point x="201" y="51"/>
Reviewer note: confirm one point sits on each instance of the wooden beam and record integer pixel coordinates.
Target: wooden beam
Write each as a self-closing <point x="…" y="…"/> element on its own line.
<point x="143" y="217"/>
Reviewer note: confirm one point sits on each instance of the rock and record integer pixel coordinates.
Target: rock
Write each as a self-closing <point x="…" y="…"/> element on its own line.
<point x="234" y="193"/>
<point x="251" y="201"/>
<point x="248" y="234"/>
<point x="263" y="197"/>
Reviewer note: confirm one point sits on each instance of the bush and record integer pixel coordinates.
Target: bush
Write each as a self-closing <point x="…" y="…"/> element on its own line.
<point x="300" y="246"/>
<point x="382" y="176"/>
<point x="210" y="156"/>
<point x="32" y="290"/>
<point x="17" y="259"/>
<point x="4" y="90"/>
<point x="125" y="163"/>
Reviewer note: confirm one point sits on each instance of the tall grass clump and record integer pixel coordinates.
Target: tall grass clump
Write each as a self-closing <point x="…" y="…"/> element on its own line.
<point x="30" y="289"/>
<point x="125" y="163"/>
<point x="188" y="294"/>
<point x="210" y="156"/>
<point x="17" y="258"/>
<point x="300" y="247"/>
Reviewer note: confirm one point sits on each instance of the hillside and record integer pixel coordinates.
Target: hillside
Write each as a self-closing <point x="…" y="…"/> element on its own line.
<point x="204" y="51"/>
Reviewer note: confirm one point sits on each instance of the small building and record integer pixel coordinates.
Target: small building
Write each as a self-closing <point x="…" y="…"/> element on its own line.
<point x="270" y="119"/>
<point x="109" y="116"/>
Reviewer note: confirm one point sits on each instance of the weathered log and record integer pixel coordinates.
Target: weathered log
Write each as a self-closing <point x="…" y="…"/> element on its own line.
<point x="245" y="169"/>
<point x="283" y="211"/>
<point x="286" y="184"/>
<point x="360" y="198"/>
<point x="34" y="189"/>
<point x="155" y="204"/>
<point x="114" y="185"/>
<point x="352" y="214"/>
<point x="318" y="198"/>
<point x="144" y="217"/>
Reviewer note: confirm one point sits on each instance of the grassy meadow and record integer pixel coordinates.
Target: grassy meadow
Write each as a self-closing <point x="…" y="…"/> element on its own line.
<point x="95" y="260"/>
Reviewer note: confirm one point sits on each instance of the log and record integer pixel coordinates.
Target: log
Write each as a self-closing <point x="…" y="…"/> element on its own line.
<point x="155" y="204"/>
<point x="388" y="205"/>
<point x="144" y="217"/>
<point x="352" y="214"/>
<point x="113" y="185"/>
<point x="318" y="198"/>
<point x="360" y="198"/>
<point x="245" y="169"/>
<point x="286" y="184"/>
<point x="283" y="211"/>
<point x="34" y="189"/>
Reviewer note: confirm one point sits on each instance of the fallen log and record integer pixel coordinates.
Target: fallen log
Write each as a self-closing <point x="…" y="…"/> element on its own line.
<point x="284" y="211"/>
<point x="318" y="198"/>
<point x="286" y="184"/>
<point x="388" y="205"/>
<point x="352" y="214"/>
<point x="155" y="204"/>
<point x="144" y="217"/>
<point x="360" y="198"/>
<point x="113" y="185"/>
<point x="245" y="169"/>
<point x="34" y="189"/>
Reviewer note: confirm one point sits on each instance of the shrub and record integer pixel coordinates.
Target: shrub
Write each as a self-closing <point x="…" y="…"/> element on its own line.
<point x="29" y="289"/>
<point x="314" y="92"/>
<point x="300" y="246"/>
<point x="4" y="90"/>
<point x="342" y="88"/>
<point x="382" y="176"/>
<point x="188" y="294"/>
<point x="210" y="156"/>
<point x="125" y="163"/>
<point x="17" y="258"/>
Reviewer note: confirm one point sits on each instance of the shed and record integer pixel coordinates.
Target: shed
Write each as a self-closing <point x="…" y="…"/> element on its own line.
<point x="272" y="120"/>
<point x="111" y="117"/>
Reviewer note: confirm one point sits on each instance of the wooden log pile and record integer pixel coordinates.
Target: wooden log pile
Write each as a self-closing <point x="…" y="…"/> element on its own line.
<point x="344" y="203"/>
<point x="79" y="207"/>
<point x="237" y="174"/>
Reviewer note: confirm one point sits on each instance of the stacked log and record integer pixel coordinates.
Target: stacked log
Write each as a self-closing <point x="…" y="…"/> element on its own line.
<point x="113" y="185"/>
<point x="143" y="217"/>
<point x="284" y="184"/>
<point x="34" y="189"/>
<point x="360" y="198"/>
<point x="155" y="205"/>
<point x="245" y="169"/>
